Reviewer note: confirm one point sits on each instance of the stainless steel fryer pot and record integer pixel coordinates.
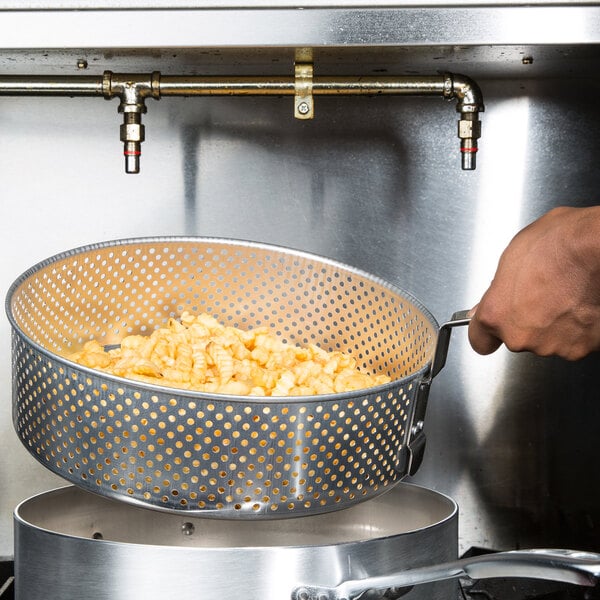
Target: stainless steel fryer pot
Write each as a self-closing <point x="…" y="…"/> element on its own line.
<point x="71" y="544"/>
<point x="211" y="454"/>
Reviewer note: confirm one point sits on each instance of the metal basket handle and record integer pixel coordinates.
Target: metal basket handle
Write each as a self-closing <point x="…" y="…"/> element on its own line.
<point x="460" y="317"/>
<point x="411" y="455"/>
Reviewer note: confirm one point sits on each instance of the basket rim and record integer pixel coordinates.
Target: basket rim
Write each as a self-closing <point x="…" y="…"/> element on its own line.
<point x="223" y="241"/>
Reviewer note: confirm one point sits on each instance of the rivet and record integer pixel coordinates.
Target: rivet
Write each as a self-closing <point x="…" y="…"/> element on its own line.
<point x="302" y="594"/>
<point x="417" y="427"/>
<point x="187" y="528"/>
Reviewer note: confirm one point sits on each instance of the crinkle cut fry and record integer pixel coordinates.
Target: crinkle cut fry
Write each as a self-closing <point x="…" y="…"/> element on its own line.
<point x="199" y="353"/>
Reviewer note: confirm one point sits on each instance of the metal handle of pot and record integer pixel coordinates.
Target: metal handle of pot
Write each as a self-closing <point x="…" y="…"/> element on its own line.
<point x="568" y="566"/>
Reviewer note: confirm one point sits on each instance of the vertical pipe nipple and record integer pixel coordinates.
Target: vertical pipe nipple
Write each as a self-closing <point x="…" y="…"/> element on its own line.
<point x="132" y="158"/>
<point x="469" y="131"/>
<point x="132" y="136"/>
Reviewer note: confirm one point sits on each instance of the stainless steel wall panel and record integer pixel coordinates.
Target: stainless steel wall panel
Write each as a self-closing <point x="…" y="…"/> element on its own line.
<point x="33" y="5"/>
<point x="301" y="27"/>
<point x="374" y="182"/>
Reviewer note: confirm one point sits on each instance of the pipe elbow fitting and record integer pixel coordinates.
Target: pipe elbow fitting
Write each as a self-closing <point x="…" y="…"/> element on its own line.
<point x="466" y="91"/>
<point x="469" y="105"/>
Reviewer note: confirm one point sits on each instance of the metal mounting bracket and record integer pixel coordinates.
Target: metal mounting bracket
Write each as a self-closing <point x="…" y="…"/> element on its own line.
<point x="303" y="91"/>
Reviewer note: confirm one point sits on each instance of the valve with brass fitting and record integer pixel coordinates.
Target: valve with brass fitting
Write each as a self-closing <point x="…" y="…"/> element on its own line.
<point x="469" y="105"/>
<point x="132" y="90"/>
<point x="469" y="131"/>
<point x="132" y="136"/>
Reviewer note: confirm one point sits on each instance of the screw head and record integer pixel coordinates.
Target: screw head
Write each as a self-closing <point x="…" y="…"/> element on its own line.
<point x="303" y="108"/>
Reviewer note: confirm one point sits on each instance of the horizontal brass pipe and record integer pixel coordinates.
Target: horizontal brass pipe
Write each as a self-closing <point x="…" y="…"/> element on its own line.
<point x="81" y="85"/>
<point x="59" y="85"/>
<point x="264" y="86"/>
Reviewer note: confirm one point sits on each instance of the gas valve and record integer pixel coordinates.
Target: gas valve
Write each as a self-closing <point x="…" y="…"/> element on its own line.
<point x="469" y="131"/>
<point x="132" y="136"/>
<point x="132" y="90"/>
<point x="469" y="105"/>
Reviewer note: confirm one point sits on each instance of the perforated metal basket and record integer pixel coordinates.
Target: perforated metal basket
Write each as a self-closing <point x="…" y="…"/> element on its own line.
<point x="209" y="454"/>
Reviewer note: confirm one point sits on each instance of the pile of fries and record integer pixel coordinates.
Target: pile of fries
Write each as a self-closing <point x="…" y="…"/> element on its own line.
<point x="198" y="353"/>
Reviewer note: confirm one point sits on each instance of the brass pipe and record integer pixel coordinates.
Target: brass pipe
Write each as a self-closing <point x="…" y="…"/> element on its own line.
<point x="174" y="85"/>
<point x="42" y="85"/>
<point x="134" y="89"/>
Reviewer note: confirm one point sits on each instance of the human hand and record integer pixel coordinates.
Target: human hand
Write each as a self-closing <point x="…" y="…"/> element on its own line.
<point x="545" y="295"/>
